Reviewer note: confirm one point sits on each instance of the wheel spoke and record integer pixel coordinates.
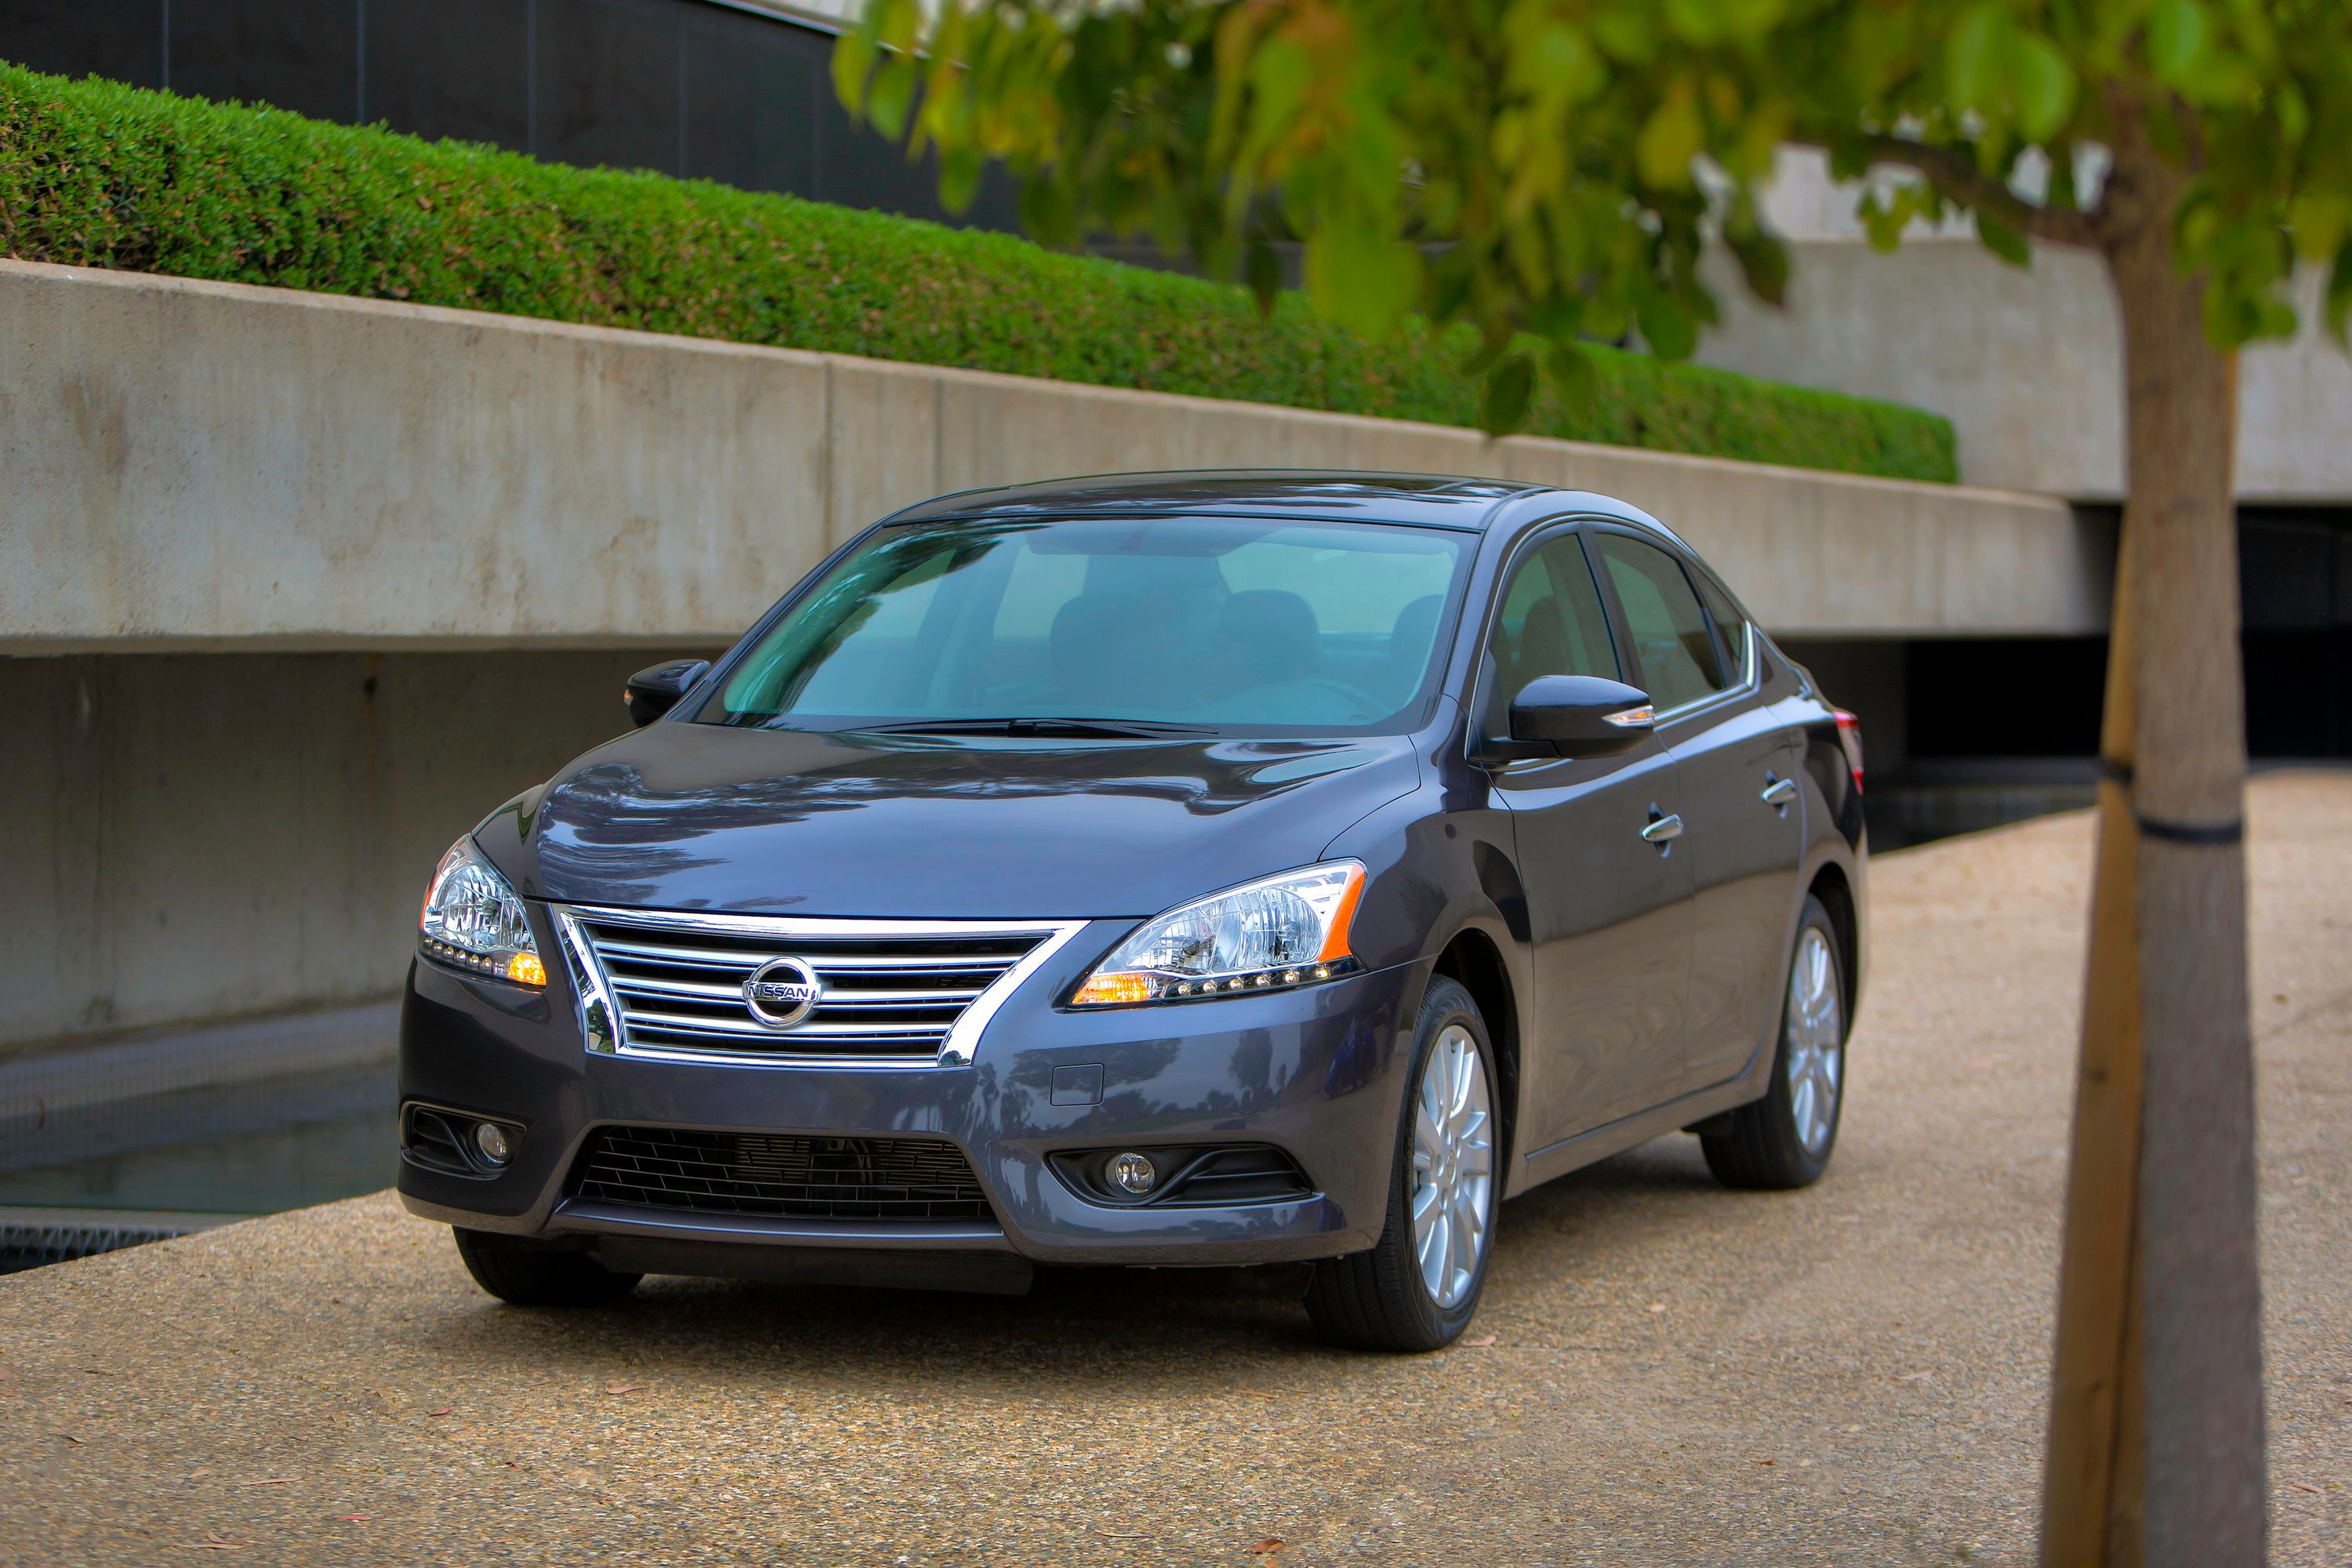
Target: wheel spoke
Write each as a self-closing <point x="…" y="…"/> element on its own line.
<point x="1427" y="1140"/>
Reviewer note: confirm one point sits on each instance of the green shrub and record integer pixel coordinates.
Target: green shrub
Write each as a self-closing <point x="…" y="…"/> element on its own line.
<point x="93" y="174"/>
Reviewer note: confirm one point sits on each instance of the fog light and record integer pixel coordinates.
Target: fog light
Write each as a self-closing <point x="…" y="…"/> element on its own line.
<point x="490" y="1140"/>
<point x="1132" y="1173"/>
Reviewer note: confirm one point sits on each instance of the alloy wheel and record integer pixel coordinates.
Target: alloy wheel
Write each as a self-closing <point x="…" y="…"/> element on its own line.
<point x="1453" y="1195"/>
<point x="1816" y="1049"/>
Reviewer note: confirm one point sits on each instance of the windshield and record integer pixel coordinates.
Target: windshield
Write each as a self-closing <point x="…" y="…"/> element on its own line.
<point x="1229" y="625"/>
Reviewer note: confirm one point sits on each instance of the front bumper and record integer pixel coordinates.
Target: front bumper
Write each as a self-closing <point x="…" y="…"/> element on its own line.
<point x="1317" y="1072"/>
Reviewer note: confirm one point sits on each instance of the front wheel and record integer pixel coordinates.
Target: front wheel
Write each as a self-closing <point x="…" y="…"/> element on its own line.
<point x="527" y="1272"/>
<point x="1784" y="1140"/>
<point x="1418" y="1288"/>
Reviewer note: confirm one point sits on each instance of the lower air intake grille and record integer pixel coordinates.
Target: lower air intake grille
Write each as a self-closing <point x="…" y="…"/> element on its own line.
<point x="789" y="1177"/>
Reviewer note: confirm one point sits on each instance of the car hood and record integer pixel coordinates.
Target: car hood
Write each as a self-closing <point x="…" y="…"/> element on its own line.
<point x="693" y="816"/>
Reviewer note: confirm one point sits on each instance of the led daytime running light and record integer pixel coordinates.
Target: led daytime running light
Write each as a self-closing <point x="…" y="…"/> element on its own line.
<point x="473" y="920"/>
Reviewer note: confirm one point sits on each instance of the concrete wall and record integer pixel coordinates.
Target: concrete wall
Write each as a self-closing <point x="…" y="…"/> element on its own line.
<point x="2026" y="362"/>
<point x="209" y="466"/>
<point x="201" y="837"/>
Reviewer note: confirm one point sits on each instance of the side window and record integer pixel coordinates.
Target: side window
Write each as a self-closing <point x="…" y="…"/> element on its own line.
<point x="1551" y="623"/>
<point x="1731" y="627"/>
<point x="1669" y="629"/>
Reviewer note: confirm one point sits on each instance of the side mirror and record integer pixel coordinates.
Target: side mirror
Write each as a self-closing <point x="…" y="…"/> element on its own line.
<point x="1578" y="716"/>
<point x="653" y="692"/>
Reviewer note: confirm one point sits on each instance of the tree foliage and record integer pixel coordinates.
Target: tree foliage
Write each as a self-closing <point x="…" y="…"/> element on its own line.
<point x="1552" y="167"/>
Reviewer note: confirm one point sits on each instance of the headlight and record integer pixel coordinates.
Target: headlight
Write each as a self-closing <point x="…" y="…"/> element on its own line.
<point x="473" y="919"/>
<point x="1290" y="930"/>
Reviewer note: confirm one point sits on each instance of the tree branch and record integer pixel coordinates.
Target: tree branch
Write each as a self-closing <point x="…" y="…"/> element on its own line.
<point x="1953" y="173"/>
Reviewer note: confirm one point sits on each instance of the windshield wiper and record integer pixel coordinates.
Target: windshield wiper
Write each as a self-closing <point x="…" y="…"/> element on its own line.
<point x="1083" y="728"/>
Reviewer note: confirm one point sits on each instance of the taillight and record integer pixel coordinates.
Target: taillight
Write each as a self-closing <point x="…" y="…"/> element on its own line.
<point x="1849" y="737"/>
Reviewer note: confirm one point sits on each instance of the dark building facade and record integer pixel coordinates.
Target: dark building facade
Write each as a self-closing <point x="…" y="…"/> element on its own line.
<point x="695" y="87"/>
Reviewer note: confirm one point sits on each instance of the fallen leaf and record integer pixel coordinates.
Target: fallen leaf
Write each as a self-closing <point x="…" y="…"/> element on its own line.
<point x="1479" y="1342"/>
<point x="622" y="1387"/>
<point x="1269" y="1547"/>
<point x="354" y="1518"/>
<point x="443" y="1411"/>
<point x="1764" y="1461"/>
<point x="2305" y="1486"/>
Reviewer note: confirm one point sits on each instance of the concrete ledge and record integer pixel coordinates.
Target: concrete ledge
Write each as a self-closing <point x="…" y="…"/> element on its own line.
<point x="45" y="1093"/>
<point x="194" y="465"/>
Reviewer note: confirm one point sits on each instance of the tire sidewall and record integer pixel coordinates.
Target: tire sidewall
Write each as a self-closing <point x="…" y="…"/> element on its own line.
<point x="1445" y="1003"/>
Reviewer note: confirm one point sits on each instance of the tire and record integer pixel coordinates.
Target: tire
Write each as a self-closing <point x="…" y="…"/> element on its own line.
<point x="529" y="1273"/>
<point x="1383" y="1300"/>
<point x="1785" y="1139"/>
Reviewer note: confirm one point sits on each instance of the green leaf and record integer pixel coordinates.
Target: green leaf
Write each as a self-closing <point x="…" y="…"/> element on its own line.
<point x="1575" y="379"/>
<point x="1510" y="386"/>
<point x="1360" y="278"/>
<point x="960" y="170"/>
<point x="1975" y="53"/>
<point x="892" y="96"/>
<point x="2179" y="33"/>
<point x="2043" y="83"/>
<point x="2337" y="311"/>
<point x="2002" y="240"/>
<point x="1264" y="279"/>
<point x="1764" y="262"/>
<point x="852" y="60"/>
<point x="1671" y="137"/>
<point x="1667" y="324"/>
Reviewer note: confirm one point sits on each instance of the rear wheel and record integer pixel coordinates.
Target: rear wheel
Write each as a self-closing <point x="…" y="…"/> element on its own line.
<point x="1418" y="1288"/>
<point x="531" y="1273"/>
<point x="1785" y="1139"/>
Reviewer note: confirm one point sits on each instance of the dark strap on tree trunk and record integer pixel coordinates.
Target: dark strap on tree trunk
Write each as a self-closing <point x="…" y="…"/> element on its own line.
<point x="2219" y="834"/>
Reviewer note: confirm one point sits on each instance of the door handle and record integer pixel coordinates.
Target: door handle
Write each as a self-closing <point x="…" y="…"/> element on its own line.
<point x="1662" y="828"/>
<point x="1777" y="791"/>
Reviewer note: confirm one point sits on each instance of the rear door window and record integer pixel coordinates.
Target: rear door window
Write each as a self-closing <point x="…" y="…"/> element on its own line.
<point x="1731" y="627"/>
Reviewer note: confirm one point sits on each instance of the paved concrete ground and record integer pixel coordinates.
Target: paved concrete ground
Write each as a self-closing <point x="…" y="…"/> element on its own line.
<point x="1678" y="1375"/>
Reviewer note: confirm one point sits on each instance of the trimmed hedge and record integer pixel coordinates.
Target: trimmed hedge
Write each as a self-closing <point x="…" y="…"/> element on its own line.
<point x="94" y="173"/>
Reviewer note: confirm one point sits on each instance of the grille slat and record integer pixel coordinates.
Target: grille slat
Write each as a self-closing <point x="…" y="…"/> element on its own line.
<point x="780" y="1176"/>
<point x="892" y="997"/>
<point x="648" y="986"/>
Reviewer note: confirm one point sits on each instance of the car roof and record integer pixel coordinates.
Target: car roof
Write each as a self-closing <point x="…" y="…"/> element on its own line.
<point x="1432" y="500"/>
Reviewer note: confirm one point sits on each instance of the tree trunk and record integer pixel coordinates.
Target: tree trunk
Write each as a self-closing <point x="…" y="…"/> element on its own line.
<point x="2156" y="1431"/>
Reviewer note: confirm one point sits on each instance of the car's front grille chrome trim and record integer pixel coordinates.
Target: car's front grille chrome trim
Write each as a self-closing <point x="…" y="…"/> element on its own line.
<point x="893" y="994"/>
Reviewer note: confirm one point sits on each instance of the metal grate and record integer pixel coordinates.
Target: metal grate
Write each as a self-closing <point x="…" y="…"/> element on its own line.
<point x="777" y="1175"/>
<point x="31" y="1244"/>
<point x="677" y="984"/>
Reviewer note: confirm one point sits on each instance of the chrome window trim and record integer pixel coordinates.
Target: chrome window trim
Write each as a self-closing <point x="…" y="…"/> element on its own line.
<point x="1746" y="685"/>
<point x="599" y="1014"/>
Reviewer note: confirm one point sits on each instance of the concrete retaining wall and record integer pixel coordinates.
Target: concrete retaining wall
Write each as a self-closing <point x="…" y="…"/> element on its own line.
<point x="195" y="465"/>
<point x="2027" y="362"/>
<point x="198" y="837"/>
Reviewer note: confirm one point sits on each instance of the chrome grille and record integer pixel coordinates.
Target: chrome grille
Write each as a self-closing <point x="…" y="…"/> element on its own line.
<point x="780" y="1176"/>
<point x="892" y="992"/>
